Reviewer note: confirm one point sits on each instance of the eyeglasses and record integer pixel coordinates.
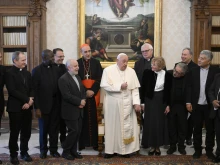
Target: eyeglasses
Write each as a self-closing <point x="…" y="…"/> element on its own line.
<point x="88" y="51"/>
<point x="145" y="51"/>
<point x="60" y="56"/>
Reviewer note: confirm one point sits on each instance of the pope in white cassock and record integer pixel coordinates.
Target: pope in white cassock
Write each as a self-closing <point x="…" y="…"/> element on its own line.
<point x="120" y="104"/>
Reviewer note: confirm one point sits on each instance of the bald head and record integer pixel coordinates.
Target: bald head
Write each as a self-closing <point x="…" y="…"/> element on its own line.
<point x="86" y="51"/>
<point x="72" y="66"/>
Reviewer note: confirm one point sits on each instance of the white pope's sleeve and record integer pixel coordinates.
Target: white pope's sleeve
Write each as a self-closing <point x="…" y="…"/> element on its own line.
<point x="135" y="96"/>
<point x="108" y="84"/>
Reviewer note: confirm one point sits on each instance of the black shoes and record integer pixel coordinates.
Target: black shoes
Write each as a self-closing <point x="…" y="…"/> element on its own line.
<point x="217" y="159"/>
<point x="67" y="156"/>
<point x="14" y="160"/>
<point x="182" y="151"/>
<point x="55" y="154"/>
<point x="151" y="152"/>
<point x="43" y="155"/>
<point x="197" y="154"/>
<point x="189" y="142"/>
<point x="126" y="156"/>
<point x="76" y="155"/>
<point x="210" y="155"/>
<point x="157" y="153"/>
<point x="26" y="157"/>
<point x="171" y="150"/>
<point x="108" y="156"/>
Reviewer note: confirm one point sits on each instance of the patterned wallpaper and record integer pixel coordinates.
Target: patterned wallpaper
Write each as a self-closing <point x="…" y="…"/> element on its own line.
<point x="175" y="30"/>
<point x="62" y="28"/>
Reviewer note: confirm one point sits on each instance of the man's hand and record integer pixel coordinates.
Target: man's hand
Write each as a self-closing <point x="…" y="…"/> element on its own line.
<point x="124" y="86"/>
<point x="142" y="107"/>
<point x="25" y="106"/>
<point x="31" y="101"/>
<point x="137" y="108"/>
<point x="89" y="93"/>
<point x="167" y="110"/>
<point x="38" y="113"/>
<point x="83" y="102"/>
<point x="216" y="104"/>
<point x="189" y="107"/>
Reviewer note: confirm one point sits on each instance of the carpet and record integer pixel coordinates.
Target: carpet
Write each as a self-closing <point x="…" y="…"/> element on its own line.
<point x="117" y="160"/>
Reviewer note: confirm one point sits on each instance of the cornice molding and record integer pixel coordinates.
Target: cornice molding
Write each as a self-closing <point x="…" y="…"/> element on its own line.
<point x="35" y="8"/>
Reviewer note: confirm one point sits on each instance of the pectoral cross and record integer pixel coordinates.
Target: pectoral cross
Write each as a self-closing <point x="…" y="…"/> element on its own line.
<point x="87" y="76"/>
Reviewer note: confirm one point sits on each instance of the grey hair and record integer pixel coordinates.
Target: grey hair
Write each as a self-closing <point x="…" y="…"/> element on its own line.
<point x="147" y="44"/>
<point x="68" y="62"/>
<point x="190" y="51"/>
<point x="121" y="54"/>
<point x="208" y="54"/>
<point x="183" y="67"/>
<point x="15" y="55"/>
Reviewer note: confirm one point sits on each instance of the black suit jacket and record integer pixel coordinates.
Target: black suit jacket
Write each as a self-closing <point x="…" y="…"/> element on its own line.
<point x="19" y="90"/>
<point x="2" y="83"/>
<point x="213" y="92"/>
<point x="71" y="97"/>
<point x="148" y="85"/>
<point x="193" y="84"/>
<point x="191" y="65"/>
<point x="139" y="68"/>
<point x="45" y="86"/>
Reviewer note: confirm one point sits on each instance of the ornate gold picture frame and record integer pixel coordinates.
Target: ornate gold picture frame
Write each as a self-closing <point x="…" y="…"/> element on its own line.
<point x="118" y="38"/>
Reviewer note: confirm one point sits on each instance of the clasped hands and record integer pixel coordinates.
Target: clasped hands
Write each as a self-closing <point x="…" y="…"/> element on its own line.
<point x="29" y="104"/>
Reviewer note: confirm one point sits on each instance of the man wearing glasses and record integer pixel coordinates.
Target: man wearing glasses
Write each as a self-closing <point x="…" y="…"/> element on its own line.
<point x="177" y="118"/>
<point x="58" y="61"/>
<point x="145" y="62"/>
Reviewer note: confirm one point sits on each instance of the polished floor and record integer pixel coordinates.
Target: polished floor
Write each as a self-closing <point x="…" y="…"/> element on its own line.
<point x="34" y="145"/>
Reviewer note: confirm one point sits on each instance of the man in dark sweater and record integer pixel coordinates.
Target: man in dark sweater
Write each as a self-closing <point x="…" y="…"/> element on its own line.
<point x="177" y="118"/>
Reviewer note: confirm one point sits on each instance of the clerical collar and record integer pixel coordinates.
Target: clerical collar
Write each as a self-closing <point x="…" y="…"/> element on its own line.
<point x="18" y="69"/>
<point x="47" y="65"/>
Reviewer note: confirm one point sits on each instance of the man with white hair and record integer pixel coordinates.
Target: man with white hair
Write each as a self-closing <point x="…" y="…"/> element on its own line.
<point x="120" y="104"/>
<point x="73" y="102"/>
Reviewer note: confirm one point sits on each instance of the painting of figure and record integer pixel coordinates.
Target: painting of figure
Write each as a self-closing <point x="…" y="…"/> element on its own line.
<point x="115" y="26"/>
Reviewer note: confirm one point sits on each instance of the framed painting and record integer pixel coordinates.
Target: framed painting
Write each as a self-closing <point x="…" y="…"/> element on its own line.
<point x="111" y="27"/>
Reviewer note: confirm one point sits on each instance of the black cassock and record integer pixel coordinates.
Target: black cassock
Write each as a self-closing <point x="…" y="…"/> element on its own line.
<point x="89" y="134"/>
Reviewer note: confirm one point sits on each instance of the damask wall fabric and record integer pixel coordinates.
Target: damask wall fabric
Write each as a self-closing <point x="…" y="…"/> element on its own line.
<point x="175" y="30"/>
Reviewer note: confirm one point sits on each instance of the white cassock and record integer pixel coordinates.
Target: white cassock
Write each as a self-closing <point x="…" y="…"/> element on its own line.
<point x="121" y="128"/>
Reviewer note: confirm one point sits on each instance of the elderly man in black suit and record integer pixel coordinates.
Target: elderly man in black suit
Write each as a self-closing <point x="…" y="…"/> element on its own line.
<point x="20" y="100"/>
<point x="214" y="96"/>
<point x="73" y="101"/>
<point x="47" y="98"/>
<point x="145" y="62"/>
<point x="199" y="80"/>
